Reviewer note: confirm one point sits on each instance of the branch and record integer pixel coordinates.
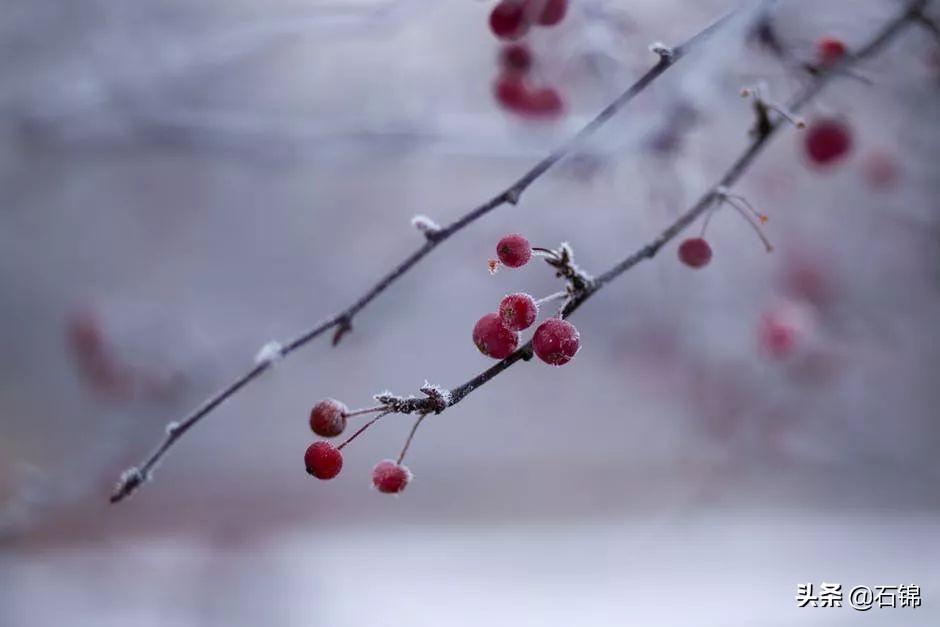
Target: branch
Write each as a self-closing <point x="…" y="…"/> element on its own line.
<point x="765" y="128"/>
<point x="341" y="322"/>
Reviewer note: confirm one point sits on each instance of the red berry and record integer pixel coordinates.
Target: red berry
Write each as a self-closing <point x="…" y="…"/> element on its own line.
<point x="553" y="11"/>
<point x="508" y="19"/>
<point x="515" y="58"/>
<point x="511" y="92"/>
<point x="518" y="311"/>
<point x="881" y="170"/>
<point x="556" y="341"/>
<point x="784" y="328"/>
<point x="390" y="477"/>
<point x="514" y="250"/>
<point x="328" y="417"/>
<point x="830" y="51"/>
<point x="544" y="102"/>
<point x="827" y="140"/>
<point x="323" y="460"/>
<point x="695" y="252"/>
<point x="493" y="339"/>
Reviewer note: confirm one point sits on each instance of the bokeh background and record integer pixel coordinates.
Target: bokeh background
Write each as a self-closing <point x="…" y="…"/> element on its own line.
<point x="183" y="181"/>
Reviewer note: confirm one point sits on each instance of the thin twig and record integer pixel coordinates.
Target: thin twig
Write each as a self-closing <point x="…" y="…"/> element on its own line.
<point x="362" y="429"/>
<point x="134" y="477"/>
<point x="411" y="436"/>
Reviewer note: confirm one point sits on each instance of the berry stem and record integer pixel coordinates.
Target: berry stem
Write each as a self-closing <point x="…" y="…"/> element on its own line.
<point x="361" y="429"/>
<point x="366" y="410"/>
<point x="551" y="297"/>
<point x="733" y="201"/>
<point x="411" y="436"/>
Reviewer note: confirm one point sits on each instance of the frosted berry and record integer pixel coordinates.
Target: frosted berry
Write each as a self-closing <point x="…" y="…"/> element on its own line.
<point x="695" y="252"/>
<point x="515" y="58"/>
<point x="830" y="50"/>
<point x="827" y="140"/>
<point x="493" y="339"/>
<point x="553" y="11"/>
<point x="514" y="251"/>
<point x="556" y="341"/>
<point x="390" y="477"/>
<point x="328" y="417"/>
<point x="323" y="460"/>
<point x="518" y="311"/>
<point x="508" y="19"/>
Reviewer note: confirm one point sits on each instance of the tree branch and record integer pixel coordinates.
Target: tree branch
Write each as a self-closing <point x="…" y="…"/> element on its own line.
<point x="134" y="477"/>
<point x="765" y="130"/>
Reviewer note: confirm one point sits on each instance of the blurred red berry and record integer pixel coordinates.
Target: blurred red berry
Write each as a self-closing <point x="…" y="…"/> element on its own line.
<point x="323" y="460"/>
<point x="515" y="58"/>
<point x="827" y="140"/>
<point x="493" y="339"/>
<point x="784" y="328"/>
<point x="514" y="250"/>
<point x="556" y="341"/>
<point x="553" y="11"/>
<point x="511" y="92"/>
<point x="695" y="252"/>
<point x="328" y="417"/>
<point x="881" y="170"/>
<point x="545" y="101"/>
<point x="518" y="311"/>
<point x="508" y="19"/>
<point x="390" y="477"/>
<point x="830" y="50"/>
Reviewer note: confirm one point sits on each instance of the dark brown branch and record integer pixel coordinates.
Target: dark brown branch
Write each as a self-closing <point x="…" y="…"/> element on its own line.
<point x="764" y="131"/>
<point x="133" y="478"/>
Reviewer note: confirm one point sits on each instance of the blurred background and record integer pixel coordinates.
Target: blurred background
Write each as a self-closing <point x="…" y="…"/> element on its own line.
<point x="182" y="182"/>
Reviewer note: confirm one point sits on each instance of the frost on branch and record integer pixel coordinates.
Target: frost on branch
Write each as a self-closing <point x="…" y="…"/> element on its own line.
<point x="128" y="482"/>
<point x="665" y="52"/>
<point x="437" y="400"/>
<point x="426" y="225"/>
<point x="269" y="353"/>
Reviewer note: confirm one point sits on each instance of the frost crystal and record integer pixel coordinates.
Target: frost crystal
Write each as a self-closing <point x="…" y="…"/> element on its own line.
<point x="662" y="50"/>
<point x="269" y="353"/>
<point x="426" y="225"/>
<point x="130" y="480"/>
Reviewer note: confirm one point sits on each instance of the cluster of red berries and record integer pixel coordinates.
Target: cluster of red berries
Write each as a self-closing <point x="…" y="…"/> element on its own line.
<point x="556" y="341"/>
<point x="510" y="20"/>
<point x="325" y="461"/>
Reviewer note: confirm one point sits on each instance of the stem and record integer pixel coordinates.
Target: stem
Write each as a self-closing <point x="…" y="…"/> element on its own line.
<point x="551" y="297"/>
<point x="411" y="436"/>
<point x="367" y="410"/>
<point x="361" y="429"/>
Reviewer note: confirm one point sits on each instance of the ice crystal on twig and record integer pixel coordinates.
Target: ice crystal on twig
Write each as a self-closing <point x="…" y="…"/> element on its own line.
<point x="269" y="353"/>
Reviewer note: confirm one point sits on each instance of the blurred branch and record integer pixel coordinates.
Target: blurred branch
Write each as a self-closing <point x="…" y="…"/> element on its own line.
<point x="764" y="129"/>
<point x="341" y="322"/>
